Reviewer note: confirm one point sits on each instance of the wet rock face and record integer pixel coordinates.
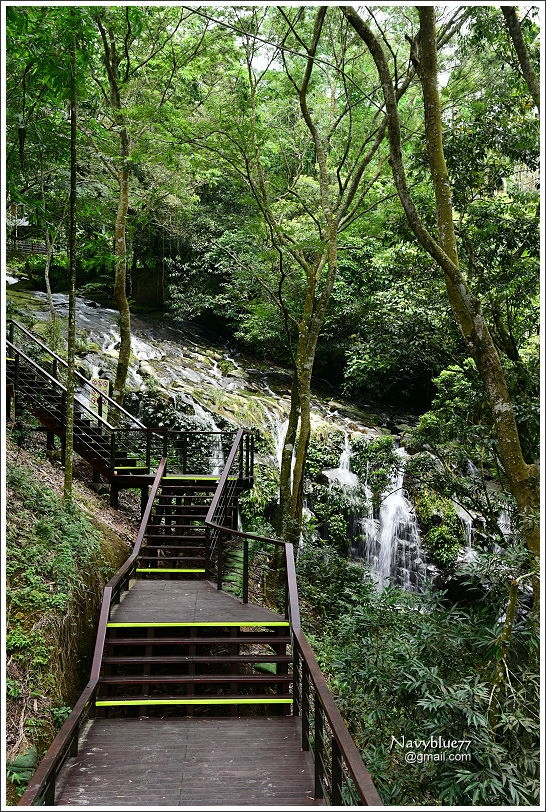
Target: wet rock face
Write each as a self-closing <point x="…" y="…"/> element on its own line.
<point x="176" y="380"/>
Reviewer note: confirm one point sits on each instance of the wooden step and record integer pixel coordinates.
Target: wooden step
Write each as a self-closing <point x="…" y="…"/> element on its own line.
<point x="172" y="536"/>
<point x="179" y="548"/>
<point x="196" y="679"/>
<point x="195" y="659"/>
<point x="189" y="562"/>
<point x="257" y="699"/>
<point x="266" y="638"/>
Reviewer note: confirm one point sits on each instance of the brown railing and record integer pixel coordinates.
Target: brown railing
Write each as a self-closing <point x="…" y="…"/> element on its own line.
<point x="41" y="787"/>
<point x="187" y="452"/>
<point x="56" y="363"/>
<point x="196" y="452"/>
<point x="26" y="247"/>
<point x="341" y="777"/>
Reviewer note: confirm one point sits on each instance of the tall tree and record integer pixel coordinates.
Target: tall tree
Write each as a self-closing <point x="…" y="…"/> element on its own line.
<point x="521" y="476"/>
<point x="71" y="349"/>
<point x="132" y="39"/>
<point x="514" y="29"/>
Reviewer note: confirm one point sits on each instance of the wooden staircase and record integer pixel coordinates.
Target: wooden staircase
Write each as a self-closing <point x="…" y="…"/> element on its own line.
<point x="176" y="641"/>
<point x="34" y="386"/>
<point x="176" y="650"/>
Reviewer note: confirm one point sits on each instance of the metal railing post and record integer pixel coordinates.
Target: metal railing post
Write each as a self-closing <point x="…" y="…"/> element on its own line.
<point x="16" y="384"/>
<point x="296" y="692"/>
<point x="304" y="706"/>
<point x="184" y="453"/>
<point x="245" y="570"/>
<point x="63" y="427"/>
<point x="11" y="331"/>
<point x="148" y="449"/>
<point x="319" y="749"/>
<point x="113" y="449"/>
<point x="337" y="774"/>
<point x="207" y="554"/>
<point x="220" y="565"/>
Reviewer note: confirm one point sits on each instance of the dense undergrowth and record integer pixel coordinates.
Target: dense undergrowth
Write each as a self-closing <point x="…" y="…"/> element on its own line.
<point x="408" y="667"/>
<point x="58" y="558"/>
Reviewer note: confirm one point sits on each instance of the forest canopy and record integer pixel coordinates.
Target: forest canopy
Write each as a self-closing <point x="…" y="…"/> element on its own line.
<point x="352" y="193"/>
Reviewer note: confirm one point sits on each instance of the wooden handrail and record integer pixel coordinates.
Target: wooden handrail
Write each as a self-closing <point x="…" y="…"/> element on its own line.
<point x="351" y="755"/>
<point x="63" y="743"/>
<point x="346" y="746"/>
<point x="58" y="358"/>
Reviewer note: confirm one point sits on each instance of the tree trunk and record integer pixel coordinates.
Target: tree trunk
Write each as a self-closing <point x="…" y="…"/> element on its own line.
<point x="120" y="281"/>
<point x="49" y="256"/>
<point x="522" y="479"/>
<point x="68" y="445"/>
<point x="514" y="29"/>
<point x="111" y="62"/>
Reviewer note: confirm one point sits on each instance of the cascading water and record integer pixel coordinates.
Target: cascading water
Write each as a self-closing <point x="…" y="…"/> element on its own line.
<point x="390" y="542"/>
<point x="189" y="378"/>
<point x="342" y="475"/>
<point x="217" y="460"/>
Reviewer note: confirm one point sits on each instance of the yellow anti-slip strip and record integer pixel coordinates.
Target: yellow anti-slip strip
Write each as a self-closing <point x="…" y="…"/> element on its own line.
<point x="236" y="701"/>
<point x="238" y="623"/>
<point x="161" y="569"/>
<point x="198" y="477"/>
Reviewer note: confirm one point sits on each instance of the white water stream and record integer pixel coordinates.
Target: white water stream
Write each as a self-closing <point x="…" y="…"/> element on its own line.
<point x="188" y="376"/>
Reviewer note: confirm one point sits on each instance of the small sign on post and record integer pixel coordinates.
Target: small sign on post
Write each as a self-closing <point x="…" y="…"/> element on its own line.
<point x="97" y="402"/>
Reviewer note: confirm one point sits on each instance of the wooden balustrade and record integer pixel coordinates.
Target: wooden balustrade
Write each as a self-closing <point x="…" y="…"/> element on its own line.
<point x="341" y="777"/>
<point x="41" y="787"/>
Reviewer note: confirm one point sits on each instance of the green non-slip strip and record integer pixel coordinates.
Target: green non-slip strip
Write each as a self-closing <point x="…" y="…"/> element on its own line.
<point x="238" y="623"/>
<point x="237" y="701"/>
<point x="161" y="569"/>
<point x="197" y="477"/>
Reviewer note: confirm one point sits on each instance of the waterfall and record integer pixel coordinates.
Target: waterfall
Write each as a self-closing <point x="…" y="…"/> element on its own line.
<point x="342" y="475"/>
<point x="217" y="460"/>
<point x="392" y="545"/>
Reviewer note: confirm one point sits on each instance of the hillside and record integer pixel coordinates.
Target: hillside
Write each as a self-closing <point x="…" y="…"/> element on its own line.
<point x="57" y="564"/>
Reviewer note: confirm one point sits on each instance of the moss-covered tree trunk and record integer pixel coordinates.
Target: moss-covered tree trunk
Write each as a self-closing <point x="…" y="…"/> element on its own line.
<point x="112" y="62"/>
<point x="120" y="281"/>
<point x="524" y="59"/>
<point x="68" y="434"/>
<point x="522" y="478"/>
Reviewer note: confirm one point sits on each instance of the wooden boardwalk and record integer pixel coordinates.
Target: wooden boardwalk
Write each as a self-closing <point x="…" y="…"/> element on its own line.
<point x="254" y="761"/>
<point x="192" y="602"/>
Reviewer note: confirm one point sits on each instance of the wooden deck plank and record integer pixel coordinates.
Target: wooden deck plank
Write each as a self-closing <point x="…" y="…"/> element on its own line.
<point x="252" y="761"/>
<point x="162" y="601"/>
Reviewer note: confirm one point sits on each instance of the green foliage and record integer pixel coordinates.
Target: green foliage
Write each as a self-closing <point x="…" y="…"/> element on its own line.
<point x="323" y="452"/>
<point x="407" y="666"/>
<point x="441" y="527"/>
<point x="255" y="502"/>
<point x="47" y="562"/>
<point x="374" y="462"/>
<point x="328" y="582"/>
<point x="21" y="769"/>
<point x="334" y="509"/>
